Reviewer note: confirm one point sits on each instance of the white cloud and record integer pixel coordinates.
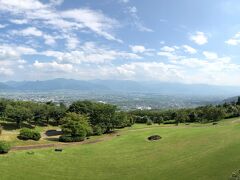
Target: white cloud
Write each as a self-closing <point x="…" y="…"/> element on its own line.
<point x="2" y="26"/>
<point x="170" y="52"/>
<point x="162" y="42"/>
<point x="49" y="40"/>
<point x="53" y="66"/>
<point x="132" y="10"/>
<point x="235" y="40"/>
<point x="138" y="49"/>
<point x="56" y="2"/>
<point x="9" y="52"/>
<point x="10" y="58"/>
<point x="189" y="49"/>
<point x="168" y="49"/>
<point x="33" y="31"/>
<point x="6" y="71"/>
<point x="141" y="49"/>
<point x="17" y="6"/>
<point x="63" y="21"/>
<point x="210" y="55"/>
<point x="95" y="21"/>
<point x="124" y="1"/>
<point x="72" y="42"/>
<point x="150" y="70"/>
<point x="90" y="53"/>
<point x="199" y="38"/>
<point x="18" y="21"/>
<point x="169" y="55"/>
<point x="30" y="31"/>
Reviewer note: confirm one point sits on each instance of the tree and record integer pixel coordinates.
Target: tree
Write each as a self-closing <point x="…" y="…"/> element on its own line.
<point x="56" y="113"/>
<point x="3" y="105"/>
<point x="75" y="127"/>
<point x="214" y="113"/>
<point x="18" y="114"/>
<point x="238" y="101"/>
<point x="100" y="114"/>
<point x="181" y="117"/>
<point x="193" y="117"/>
<point x="122" y="120"/>
<point x="39" y="113"/>
<point x="159" y="119"/>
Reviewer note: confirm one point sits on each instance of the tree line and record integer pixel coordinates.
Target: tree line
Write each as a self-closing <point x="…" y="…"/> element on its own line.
<point x="203" y="114"/>
<point x="81" y="118"/>
<point x="85" y="118"/>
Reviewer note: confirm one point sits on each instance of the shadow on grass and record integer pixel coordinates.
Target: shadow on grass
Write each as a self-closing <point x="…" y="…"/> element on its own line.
<point x="53" y="132"/>
<point x="9" y="126"/>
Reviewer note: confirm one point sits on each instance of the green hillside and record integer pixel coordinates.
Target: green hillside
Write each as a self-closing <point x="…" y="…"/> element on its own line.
<point x="193" y="151"/>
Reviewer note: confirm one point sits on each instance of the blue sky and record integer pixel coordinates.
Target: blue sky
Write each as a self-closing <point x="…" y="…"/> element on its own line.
<point x="159" y="40"/>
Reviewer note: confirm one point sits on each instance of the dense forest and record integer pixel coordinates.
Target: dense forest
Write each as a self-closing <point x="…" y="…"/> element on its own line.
<point x="85" y="118"/>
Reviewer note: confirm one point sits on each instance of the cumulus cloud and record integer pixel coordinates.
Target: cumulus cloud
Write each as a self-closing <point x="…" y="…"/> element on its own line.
<point x="53" y="66"/>
<point x="2" y="26"/>
<point x="33" y="31"/>
<point x="10" y="58"/>
<point x="189" y="49"/>
<point x="30" y="31"/>
<point x="235" y="40"/>
<point x="91" y="53"/>
<point x="6" y="71"/>
<point x="210" y="55"/>
<point x="150" y="70"/>
<point x="168" y="49"/>
<point x="199" y="38"/>
<point x="141" y="49"/>
<point x="18" y="21"/>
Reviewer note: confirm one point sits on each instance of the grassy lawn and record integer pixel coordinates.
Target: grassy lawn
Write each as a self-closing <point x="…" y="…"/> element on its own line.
<point x="185" y="152"/>
<point x="10" y="134"/>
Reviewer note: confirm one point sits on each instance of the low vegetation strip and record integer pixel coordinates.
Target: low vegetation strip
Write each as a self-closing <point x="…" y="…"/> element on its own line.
<point x="58" y="145"/>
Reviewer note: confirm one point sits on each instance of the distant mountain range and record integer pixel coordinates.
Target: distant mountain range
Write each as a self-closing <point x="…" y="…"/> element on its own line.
<point x="125" y="86"/>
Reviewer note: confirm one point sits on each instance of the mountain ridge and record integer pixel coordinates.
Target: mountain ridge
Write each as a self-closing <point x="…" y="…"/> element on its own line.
<point x="125" y="86"/>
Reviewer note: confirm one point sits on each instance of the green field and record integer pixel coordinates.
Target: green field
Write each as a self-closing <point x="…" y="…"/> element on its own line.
<point x="185" y="152"/>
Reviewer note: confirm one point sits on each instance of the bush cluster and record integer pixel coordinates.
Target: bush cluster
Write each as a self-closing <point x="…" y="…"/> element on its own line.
<point x="68" y="138"/>
<point x="149" y="122"/>
<point x="26" y="134"/>
<point x="4" y="147"/>
<point x="98" y="130"/>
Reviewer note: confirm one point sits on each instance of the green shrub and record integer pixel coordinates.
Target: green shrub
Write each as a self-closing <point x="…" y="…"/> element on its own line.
<point x="26" y="134"/>
<point x="75" y="127"/>
<point x="97" y="130"/>
<point x="235" y="175"/>
<point x="1" y="130"/>
<point x="4" y="147"/>
<point x="169" y="122"/>
<point x="67" y="138"/>
<point x="149" y="122"/>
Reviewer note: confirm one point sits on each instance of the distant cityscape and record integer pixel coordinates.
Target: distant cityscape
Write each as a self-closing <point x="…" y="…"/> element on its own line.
<point x="125" y="101"/>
